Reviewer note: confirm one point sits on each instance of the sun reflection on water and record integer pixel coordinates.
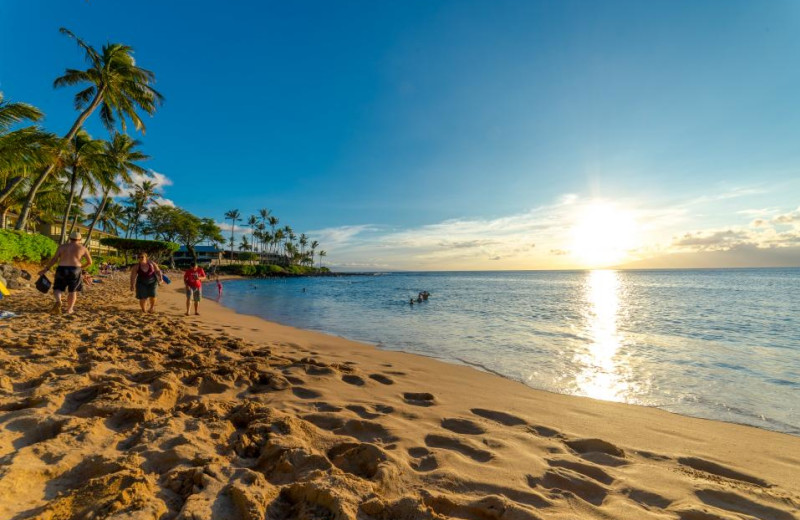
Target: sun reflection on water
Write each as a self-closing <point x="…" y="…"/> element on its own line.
<point x="602" y="370"/>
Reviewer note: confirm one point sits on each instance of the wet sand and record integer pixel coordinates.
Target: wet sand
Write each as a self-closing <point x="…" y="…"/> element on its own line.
<point x="111" y="413"/>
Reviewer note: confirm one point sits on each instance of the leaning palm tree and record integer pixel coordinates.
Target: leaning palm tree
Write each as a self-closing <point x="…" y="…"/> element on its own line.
<point x="121" y="158"/>
<point x="116" y="85"/>
<point x="321" y="253"/>
<point x="235" y="216"/>
<point x="83" y="158"/>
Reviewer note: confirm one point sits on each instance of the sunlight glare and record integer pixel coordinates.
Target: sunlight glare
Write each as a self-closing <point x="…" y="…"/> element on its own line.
<point x="603" y="235"/>
<point x="601" y="377"/>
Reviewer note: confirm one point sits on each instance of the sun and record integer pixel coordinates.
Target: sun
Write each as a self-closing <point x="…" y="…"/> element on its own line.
<point x="603" y="234"/>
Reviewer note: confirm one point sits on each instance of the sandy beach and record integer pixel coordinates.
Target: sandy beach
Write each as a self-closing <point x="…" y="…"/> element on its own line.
<point x="110" y="413"/>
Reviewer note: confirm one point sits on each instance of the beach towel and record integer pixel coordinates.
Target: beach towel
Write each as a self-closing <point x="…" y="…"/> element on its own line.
<point x="4" y="290"/>
<point x="6" y="314"/>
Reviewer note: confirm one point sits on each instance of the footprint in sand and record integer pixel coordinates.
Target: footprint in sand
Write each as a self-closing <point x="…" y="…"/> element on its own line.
<point x="326" y="407"/>
<point x="305" y="393"/>
<point x="419" y="398"/>
<point x="463" y="426"/>
<point x="716" y="469"/>
<point x="424" y="459"/>
<point x="455" y="444"/>
<point x="572" y="482"/>
<point x="361" y="460"/>
<point x="741" y="505"/>
<point x="382" y="379"/>
<point x="598" y="451"/>
<point x="503" y="418"/>
<point x="353" y="380"/>
<point x="646" y="498"/>
<point x="366" y="431"/>
<point x="325" y="421"/>
<point x="595" y="472"/>
<point x="366" y="414"/>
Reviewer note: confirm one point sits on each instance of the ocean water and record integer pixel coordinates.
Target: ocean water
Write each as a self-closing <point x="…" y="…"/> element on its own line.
<point x="719" y="344"/>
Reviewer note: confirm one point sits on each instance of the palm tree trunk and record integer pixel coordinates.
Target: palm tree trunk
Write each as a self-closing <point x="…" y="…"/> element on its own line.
<point x="75" y="220"/>
<point x="10" y="187"/>
<point x="73" y="180"/>
<point x="97" y="217"/>
<point x="233" y="223"/>
<point x="26" y="208"/>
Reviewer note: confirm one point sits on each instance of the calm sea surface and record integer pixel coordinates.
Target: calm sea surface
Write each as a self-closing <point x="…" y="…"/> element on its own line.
<point x="720" y="344"/>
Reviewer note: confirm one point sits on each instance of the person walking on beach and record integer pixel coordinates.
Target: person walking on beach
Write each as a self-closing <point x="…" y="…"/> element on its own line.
<point x="70" y="258"/>
<point x="145" y="278"/>
<point x="193" y="279"/>
<point x="219" y="288"/>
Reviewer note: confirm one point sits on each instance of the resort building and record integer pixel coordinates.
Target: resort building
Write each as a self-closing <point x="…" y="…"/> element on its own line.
<point x="52" y="230"/>
<point x="206" y="255"/>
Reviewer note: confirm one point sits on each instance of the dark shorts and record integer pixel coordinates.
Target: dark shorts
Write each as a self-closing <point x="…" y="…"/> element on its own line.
<point x="68" y="279"/>
<point x="146" y="290"/>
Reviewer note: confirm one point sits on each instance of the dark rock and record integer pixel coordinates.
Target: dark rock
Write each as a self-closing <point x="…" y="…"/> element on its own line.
<point x="25" y="275"/>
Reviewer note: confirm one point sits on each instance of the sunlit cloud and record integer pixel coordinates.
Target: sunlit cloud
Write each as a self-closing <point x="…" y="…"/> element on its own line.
<point x="544" y="237"/>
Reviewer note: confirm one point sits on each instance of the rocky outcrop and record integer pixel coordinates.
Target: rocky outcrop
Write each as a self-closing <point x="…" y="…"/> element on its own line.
<point x="14" y="277"/>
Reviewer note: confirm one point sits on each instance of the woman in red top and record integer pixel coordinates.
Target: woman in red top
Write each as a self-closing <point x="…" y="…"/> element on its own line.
<point x="193" y="279"/>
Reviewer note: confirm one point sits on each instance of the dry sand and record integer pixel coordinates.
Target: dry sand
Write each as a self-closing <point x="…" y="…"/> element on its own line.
<point x="113" y="414"/>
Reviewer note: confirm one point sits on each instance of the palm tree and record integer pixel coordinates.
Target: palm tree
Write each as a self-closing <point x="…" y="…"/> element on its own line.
<point x="303" y="244"/>
<point x="113" y="218"/>
<point x="235" y="216"/>
<point x="277" y="238"/>
<point x="116" y="85"/>
<point x="22" y="149"/>
<point x="314" y="246"/>
<point x="252" y="220"/>
<point x="322" y="253"/>
<point x="121" y="157"/>
<point x="143" y="195"/>
<point x="84" y="156"/>
<point x="244" y="245"/>
<point x="261" y="234"/>
<point x="273" y="223"/>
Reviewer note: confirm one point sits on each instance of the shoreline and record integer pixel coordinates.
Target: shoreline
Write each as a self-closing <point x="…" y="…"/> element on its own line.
<point x="166" y="415"/>
<point x="477" y="366"/>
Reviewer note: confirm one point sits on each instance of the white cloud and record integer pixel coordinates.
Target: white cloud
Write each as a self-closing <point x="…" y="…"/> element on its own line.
<point x="339" y="236"/>
<point x="541" y="238"/>
<point x="159" y="179"/>
<point x="161" y="201"/>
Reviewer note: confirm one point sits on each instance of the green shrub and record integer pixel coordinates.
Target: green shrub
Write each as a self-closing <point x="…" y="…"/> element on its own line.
<point x="246" y="256"/>
<point x="157" y="249"/>
<point x="17" y="245"/>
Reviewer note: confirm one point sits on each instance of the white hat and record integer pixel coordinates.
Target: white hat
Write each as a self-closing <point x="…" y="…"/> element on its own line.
<point x="75" y="235"/>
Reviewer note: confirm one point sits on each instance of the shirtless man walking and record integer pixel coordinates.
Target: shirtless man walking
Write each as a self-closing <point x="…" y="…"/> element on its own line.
<point x="68" y="273"/>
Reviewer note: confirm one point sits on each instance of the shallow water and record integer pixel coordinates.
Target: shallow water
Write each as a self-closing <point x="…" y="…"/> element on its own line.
<point x="720" y="344"/>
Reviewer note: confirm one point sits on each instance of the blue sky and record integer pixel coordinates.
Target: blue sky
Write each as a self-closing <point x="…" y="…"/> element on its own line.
<point x="460" y="134"/>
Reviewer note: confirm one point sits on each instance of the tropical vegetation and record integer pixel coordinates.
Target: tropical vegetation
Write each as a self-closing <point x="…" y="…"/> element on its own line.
<point x="20" y="246"/>
<point x="101" y="183"/>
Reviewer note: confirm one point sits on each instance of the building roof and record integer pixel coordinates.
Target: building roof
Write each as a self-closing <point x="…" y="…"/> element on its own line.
<point x="200" y="249"/>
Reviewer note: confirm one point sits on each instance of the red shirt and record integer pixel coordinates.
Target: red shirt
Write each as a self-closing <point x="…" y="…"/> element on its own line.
<point x="192" y="277"/>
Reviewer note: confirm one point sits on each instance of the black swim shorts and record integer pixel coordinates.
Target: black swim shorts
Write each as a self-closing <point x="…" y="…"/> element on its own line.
<point x="68" y="279"/>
